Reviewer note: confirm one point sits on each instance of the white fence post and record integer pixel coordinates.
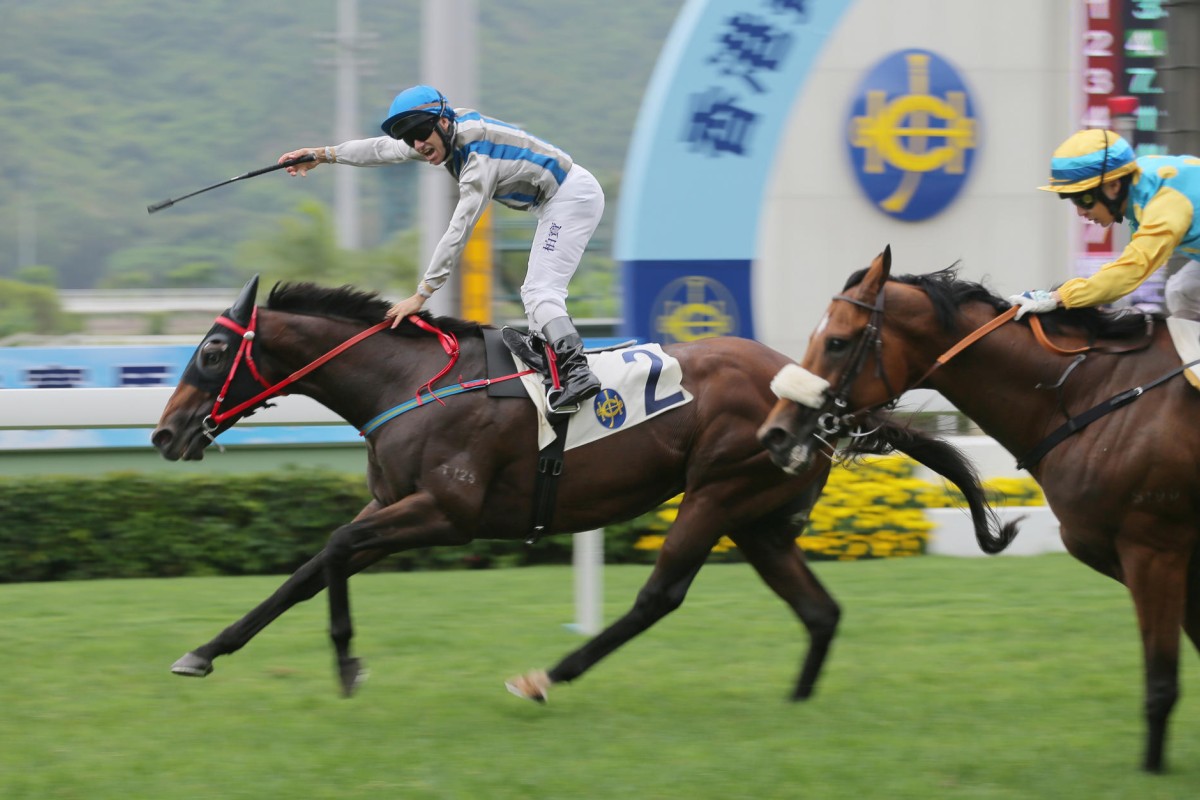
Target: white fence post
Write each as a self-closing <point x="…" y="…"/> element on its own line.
<point x="587" y="556"/>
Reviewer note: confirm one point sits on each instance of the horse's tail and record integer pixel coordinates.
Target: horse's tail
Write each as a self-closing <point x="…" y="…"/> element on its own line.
<point x="946" y="460"/>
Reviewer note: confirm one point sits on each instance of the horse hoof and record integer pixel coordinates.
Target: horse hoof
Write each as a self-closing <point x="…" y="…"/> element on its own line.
<point x="532" y="685"/>
<point x="192" y="666"/>
<point x="352" y="673"/>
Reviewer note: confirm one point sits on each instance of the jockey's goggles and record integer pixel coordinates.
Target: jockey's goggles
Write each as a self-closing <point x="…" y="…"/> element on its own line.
<point x="419" y="132"/>
<point x="1084" y="200"/>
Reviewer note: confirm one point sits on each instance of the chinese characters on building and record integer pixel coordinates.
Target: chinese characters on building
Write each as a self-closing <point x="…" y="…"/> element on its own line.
<point x="750" y="49"/>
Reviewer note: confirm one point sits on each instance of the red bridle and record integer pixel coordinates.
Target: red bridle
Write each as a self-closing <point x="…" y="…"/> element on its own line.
<point x="245" y="354"/>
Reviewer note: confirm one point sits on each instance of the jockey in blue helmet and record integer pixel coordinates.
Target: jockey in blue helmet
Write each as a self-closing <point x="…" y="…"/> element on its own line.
<point x="493" y="160"/>
<point x="418" y="111"/>
<point x="1099" y="173"/>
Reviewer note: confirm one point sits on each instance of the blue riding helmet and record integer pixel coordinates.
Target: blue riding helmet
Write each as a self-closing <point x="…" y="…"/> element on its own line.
<point x="414" y="106"/>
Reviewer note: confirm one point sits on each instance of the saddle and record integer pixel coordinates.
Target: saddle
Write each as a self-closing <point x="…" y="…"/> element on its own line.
<point x="534" y="351"/>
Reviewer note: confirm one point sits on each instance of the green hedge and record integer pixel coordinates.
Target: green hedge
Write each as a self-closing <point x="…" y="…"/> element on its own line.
<point x="134" y="525"/>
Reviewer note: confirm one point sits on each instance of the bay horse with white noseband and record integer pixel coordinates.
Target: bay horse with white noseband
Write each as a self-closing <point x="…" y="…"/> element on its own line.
<point x="1100" y="415"/>
<point x="464" y="466"/>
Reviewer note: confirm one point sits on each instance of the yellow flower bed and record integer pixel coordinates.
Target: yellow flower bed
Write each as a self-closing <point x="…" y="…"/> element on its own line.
<point x="872" y="509"/>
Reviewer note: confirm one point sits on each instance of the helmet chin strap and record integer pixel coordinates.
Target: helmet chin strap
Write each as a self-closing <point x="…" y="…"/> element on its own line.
<point x="448" y="140"/>
<point x="447" y="135"/>
<point x="1116" y="204"/>
<point x="1112" y="204"/>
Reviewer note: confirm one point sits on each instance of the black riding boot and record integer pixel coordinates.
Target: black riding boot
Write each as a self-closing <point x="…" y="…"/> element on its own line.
<point x="578" y="382"/>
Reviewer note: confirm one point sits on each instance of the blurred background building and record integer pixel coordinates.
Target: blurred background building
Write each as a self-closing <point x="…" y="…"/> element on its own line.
<point x="784" y="144"/>
<point x="763" y="151"/>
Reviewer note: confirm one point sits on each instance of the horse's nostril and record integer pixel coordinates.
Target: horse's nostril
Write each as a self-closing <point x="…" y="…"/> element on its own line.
<point x="160" y="438"/>
<point x="772" y="438"/>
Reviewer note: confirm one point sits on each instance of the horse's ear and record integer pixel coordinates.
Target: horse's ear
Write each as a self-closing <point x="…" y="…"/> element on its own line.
<point x="878" y="272"/>
<point x="243" y="307"/>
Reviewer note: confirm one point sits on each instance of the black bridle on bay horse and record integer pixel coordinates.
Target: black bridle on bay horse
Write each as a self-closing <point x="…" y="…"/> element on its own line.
<point x="837" y="420"/>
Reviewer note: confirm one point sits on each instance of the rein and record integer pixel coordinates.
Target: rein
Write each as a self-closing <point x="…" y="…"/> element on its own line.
<point x="245" y="351"/>
<point x="1035" y="324"/>
<point x="831" y="423"/>
<point x="969" y="340"/>
<point x="245" y="355"/>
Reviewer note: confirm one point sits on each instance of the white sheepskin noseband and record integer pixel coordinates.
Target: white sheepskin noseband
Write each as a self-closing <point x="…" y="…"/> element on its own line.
<point x="797" y="384"/>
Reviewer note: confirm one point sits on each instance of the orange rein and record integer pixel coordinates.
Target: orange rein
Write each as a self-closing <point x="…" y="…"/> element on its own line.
<point x="1035" y="324"/>
<point x="969" y="340"/>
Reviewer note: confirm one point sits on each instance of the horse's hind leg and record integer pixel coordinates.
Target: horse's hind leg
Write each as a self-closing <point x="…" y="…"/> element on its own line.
<point x="683" y="554"/>
<point x="780" y="563"/>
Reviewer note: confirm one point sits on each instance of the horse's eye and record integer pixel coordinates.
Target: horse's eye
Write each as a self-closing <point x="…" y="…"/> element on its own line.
<point x="212" y="353"/>
<point x="835" y="346"/>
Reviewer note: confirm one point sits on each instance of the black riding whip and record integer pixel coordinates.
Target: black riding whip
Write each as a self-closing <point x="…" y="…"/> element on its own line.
<point x="291" y="162"/>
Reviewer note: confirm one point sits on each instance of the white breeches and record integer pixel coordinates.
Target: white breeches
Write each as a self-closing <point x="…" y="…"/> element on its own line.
<point x="565" y="225"/>
<point x="1183" y="292"/>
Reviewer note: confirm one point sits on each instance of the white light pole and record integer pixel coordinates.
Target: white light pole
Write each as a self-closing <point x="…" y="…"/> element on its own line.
<point x="449" y="41"/>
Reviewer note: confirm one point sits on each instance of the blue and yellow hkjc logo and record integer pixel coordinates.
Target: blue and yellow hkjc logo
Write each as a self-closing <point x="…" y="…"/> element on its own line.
<point x="609" y="408"/>
<point x="912" y="134"/>
<point x="694" y="307"/>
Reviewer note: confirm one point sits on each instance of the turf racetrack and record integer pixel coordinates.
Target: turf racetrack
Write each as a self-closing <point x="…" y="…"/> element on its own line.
<point x="958" y="678"/>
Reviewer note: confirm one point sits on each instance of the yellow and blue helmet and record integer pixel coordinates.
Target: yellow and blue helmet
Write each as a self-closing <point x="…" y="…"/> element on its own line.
<point x="412" y="107"/>
<point x="1087" y="159"/>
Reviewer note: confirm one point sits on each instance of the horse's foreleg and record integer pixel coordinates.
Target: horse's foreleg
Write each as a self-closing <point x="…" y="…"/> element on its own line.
<point x="780" y="562"/>
<point x="415" y="521"/>
<point x="1157" y="581"/>
<point x="302" y="585"/>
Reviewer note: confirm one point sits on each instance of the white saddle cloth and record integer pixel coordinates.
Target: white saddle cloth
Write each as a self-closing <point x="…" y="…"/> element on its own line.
<point x="636" y="384"/>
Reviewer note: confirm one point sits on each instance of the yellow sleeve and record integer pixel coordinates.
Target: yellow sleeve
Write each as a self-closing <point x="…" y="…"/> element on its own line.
<point x="1164" y="222"/>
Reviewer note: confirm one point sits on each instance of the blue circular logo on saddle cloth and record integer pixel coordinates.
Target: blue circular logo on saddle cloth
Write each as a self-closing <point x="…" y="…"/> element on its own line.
<point x="912" y="134"/>
<point x="609" y="409"/>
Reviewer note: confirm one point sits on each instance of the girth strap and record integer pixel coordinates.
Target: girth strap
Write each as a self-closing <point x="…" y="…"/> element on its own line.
<point x="1076" y="424"/>
<point x="545" y="487"/>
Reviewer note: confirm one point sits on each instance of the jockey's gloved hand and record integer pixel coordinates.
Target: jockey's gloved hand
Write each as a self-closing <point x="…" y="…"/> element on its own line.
<point x="1037" y="301"/>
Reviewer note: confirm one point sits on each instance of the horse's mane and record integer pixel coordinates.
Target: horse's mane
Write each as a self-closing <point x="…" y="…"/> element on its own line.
<point x="948" y="294"/>
<point x="347" y="302"/>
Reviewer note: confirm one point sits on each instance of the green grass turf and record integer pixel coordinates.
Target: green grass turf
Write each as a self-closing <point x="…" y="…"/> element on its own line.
<point x="958" y="678"/>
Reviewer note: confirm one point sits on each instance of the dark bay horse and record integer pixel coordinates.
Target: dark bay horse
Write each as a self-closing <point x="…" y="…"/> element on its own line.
<point x="1122" y="477"/>
<point x="454" y="470"/>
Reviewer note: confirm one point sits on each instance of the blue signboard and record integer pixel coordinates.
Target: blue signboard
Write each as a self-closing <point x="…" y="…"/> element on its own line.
<point x="114" y="367"/>
<point x="69" y="367"/>
<point x="706" y="138"/>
